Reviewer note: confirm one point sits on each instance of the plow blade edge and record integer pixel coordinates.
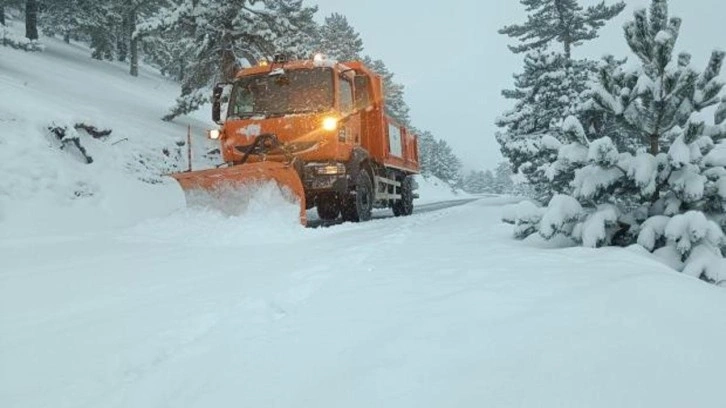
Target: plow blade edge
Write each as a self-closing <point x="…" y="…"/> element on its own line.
<point x="241" y="176"/>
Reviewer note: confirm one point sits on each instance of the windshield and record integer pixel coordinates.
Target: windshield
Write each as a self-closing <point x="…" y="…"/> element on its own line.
<point x="295" y="91"/>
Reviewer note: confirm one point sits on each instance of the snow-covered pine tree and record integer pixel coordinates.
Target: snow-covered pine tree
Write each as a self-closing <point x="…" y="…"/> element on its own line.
<point x="667" y="191"/>
<point x="225" y="34"/>
<point x="437" y="159"/>
<point x="6" y="6"/>
<point x="298" y="31"/>
<point x="129" y="38"/>
<point x="503" y="183"/>
<point x="339" y="40"/>
<point x="169" y="50"/>
<point x="9" y="38"/>
<point x="426" y="143"/>
<point x="657" y="101"/>
<point x="396" y="106"/>
<point x="479" y="182"/>
<point x="62" y="17"/>
<point x="109" y="26"/>
<point x="445" y="165"/>
<point x="549" y="89"/>
<point x="563" y="21"/>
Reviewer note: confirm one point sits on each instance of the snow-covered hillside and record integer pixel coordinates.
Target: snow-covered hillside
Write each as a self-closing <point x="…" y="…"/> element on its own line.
<point x="113" y="294"/>
<point x="43" y="187"/>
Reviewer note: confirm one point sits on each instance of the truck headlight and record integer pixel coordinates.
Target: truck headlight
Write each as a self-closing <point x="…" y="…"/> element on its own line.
<point x="214" y="134"/>
<point x="330" y="123"/>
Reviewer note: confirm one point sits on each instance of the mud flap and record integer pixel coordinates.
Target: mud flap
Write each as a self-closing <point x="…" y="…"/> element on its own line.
<point x="249" y="174"/>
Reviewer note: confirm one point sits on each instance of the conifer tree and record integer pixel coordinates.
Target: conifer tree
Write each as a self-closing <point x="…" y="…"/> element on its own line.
<point x="339" y="40"/>
<point x="562" y="21"/>
<point x="667" y="190"/>
<point x="479" y="182"/>
<point x="396" y="106"/>
<point x="62" y="17"/>
<point x="503" y="183"/>
<point x="653" y="101"/>
<point x="445" y="165"/>
<point x="224" y="34"/>
<point x="550" y="88"/>
<point x="426" y="143"/>
<point x="7" y="5"/>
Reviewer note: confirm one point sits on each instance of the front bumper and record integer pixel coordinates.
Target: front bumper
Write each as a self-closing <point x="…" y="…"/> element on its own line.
<point x="325" y="177"/>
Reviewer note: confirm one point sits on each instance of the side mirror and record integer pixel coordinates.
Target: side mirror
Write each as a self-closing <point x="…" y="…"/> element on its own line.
<point x="217" y="103"/>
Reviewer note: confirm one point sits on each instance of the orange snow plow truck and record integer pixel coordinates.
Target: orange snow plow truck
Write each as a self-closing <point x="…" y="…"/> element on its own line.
<point x="318" y="129"/>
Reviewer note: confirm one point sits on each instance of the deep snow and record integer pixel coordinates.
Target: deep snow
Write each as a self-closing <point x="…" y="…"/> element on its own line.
<point x="439" y="309"/>
<point x="123" y="297"/>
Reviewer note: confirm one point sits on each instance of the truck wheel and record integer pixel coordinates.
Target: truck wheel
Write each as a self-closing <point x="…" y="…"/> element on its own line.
<point x="359" y="206"/>
<point x="328" y="207"/>
<point x="404" y="206"/>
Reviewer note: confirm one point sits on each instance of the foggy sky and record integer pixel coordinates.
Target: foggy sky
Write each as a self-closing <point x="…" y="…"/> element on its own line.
<point x="454" y="64"/>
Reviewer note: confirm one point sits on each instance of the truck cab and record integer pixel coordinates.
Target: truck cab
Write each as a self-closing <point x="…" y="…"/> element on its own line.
<point x="328" y="119"/>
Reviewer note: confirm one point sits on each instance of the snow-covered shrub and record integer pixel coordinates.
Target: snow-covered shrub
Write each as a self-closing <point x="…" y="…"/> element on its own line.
<point x="525" y="217"/>
<point x="659" y="180"/>
<point x="560" y="216"/>
<point x="70" y="141"/>
<point x="12" y="40"/>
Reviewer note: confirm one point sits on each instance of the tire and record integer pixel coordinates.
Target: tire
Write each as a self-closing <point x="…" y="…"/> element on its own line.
<point x="328" y="207"/>
<point x="404" y="206"/>
<point x="359" y="206"/>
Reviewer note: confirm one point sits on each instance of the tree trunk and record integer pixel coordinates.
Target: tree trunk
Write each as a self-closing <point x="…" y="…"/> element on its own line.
<point x="654" y="144"/>
<point x="182" y="68"/>
<point x="229" y="65"/>
<point x="228" y="61"/>
<point x="568" y="50"/>
<point x="67" y="37"/>
<point x="133" y="45"/>
<point x="567" y="42"/>
<point x="123" y="41"/>
<point x="2" y="15"/>
<point x="31" y="19"/>
<point x="134" y="66"/>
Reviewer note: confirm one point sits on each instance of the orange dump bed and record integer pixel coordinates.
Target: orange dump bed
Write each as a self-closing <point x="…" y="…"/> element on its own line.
<point x="386" y="141"/>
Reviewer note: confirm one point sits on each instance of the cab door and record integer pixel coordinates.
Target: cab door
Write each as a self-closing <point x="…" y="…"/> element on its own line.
<point x="350" y="128"/>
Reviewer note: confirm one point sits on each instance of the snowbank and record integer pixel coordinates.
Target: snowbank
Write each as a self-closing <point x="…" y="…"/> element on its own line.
<point x="431" y="190"/>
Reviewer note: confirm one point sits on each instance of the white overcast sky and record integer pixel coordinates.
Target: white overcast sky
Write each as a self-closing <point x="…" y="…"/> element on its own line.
<point x="454" y="64"/>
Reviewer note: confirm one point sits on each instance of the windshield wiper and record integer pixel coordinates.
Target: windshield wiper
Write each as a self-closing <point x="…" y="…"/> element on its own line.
<point x="247" y="115"/>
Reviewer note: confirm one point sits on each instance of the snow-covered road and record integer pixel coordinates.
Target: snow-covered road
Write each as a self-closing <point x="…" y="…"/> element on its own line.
<point x="441" y="309"/>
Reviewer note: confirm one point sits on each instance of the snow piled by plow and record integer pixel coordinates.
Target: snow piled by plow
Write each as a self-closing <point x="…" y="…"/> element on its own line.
<point x="255" y="214"/>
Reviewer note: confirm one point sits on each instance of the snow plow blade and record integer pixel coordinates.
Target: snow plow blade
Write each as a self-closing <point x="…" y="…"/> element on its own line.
<point x="247" y="175"/>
